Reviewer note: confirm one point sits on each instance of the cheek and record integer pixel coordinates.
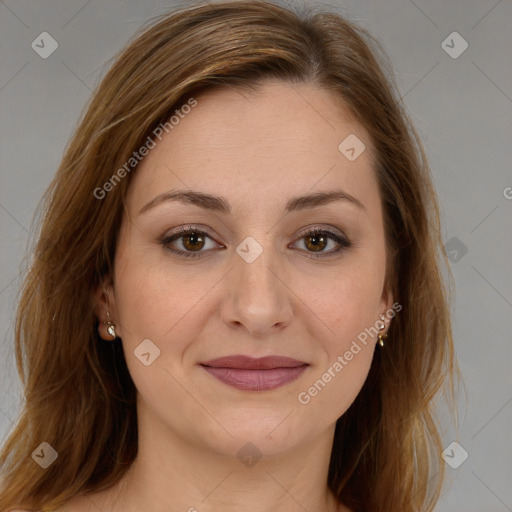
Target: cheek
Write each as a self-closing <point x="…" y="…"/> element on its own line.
<point x="152" y="306"/>
<point x="347" y="307"/>
<point x="346" y="303"/>
<point x="333" y="390"/>
<point x="158" y="301"/>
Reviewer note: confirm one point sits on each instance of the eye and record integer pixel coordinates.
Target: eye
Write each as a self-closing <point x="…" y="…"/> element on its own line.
<point x="317" y="239"/>
<point x="193" y="240"/>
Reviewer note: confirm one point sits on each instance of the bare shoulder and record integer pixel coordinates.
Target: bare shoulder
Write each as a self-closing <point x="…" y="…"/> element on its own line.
<point x="95" y="501"/>
<point x="78" y="503"/>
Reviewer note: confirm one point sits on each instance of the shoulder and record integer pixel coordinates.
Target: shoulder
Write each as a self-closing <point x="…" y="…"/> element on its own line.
<point x="24" y="510"/>
<point x="75" y="504"/>
<point x="79" y="503"/>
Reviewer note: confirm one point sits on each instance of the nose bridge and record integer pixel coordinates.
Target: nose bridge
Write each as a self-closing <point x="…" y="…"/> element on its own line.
<point x="259" y="299"/>
<point x="254" y="263"/>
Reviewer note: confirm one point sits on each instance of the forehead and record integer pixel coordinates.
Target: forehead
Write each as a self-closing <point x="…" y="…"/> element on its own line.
<point x="258" y="146"/>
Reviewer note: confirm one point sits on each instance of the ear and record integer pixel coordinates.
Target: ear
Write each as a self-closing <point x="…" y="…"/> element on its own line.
<point x="386" y="307"/>
<point x="103" y="308"/>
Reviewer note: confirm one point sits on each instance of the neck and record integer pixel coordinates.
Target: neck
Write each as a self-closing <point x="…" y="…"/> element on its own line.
<point x="171" y="473"/>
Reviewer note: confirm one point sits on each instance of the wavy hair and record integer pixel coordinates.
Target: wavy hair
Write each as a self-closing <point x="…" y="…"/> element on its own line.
<point x="78" y="394"/>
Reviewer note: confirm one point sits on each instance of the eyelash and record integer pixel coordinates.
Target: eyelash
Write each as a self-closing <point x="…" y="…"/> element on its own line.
<point x="183" y="231"/>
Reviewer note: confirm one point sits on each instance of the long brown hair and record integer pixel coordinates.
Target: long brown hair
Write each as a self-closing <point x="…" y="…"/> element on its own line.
<point x="79" y="396"/>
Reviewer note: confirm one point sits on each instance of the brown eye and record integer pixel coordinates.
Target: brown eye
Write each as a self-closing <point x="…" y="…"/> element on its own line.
<point x="193" y="242"/>
<point x="316" y="242"/>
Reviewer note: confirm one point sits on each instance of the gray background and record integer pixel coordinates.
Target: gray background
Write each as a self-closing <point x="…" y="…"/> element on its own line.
<point x="462" y="108"/>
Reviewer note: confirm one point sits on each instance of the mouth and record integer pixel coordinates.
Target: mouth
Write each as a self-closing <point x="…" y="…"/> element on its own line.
<point x="250" y="374"/>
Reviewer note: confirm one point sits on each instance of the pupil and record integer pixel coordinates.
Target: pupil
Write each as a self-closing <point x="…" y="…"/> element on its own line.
<point x="194" y="239"/>
<point x="317" y="241"/>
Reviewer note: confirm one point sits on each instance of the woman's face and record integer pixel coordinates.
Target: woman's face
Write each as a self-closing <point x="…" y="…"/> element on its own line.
<point x="257" y="281"/>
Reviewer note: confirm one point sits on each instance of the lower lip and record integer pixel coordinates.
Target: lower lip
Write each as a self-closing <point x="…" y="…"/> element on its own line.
<point x="256" y="380"/>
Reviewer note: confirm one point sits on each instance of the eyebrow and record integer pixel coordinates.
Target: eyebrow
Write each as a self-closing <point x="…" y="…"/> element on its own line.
<point x="221" y="205"/>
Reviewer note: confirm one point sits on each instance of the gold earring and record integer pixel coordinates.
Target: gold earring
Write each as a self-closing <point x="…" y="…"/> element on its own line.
<point x="111" y="328"/>
<point x="382" y="336"/>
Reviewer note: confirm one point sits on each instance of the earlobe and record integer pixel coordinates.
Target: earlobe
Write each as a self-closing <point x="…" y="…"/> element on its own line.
<point x="106" y="326"/>
<point x="387" y="313"/>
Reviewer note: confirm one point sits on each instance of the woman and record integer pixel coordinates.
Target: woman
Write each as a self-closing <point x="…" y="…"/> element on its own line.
<point x="235" y="301"/>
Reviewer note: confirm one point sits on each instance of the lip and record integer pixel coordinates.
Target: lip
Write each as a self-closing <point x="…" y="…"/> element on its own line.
<point x="255" y="374"/>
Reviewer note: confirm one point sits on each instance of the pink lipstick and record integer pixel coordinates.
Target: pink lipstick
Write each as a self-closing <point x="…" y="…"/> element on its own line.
<point x="250" y="374"/>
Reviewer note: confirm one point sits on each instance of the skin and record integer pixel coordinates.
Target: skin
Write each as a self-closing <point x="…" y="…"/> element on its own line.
<point x="257" y="150"/>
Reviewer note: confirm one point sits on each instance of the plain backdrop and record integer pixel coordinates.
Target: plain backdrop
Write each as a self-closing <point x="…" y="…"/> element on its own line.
<point x="460" y="104"/>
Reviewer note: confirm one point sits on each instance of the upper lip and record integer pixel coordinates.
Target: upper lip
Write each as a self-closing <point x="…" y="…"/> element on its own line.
<point x="251" y="363"/>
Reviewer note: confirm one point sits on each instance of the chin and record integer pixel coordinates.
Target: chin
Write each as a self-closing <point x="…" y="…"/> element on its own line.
<point x="270" y="431"/>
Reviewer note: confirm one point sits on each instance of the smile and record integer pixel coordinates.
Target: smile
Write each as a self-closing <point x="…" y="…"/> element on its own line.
<point x="249" y="374"/>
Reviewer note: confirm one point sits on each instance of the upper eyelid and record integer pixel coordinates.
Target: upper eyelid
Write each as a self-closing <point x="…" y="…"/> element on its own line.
<point x="183" y="230"/>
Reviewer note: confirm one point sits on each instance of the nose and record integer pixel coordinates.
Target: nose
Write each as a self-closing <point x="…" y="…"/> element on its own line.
<point x="259" y="298"/>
